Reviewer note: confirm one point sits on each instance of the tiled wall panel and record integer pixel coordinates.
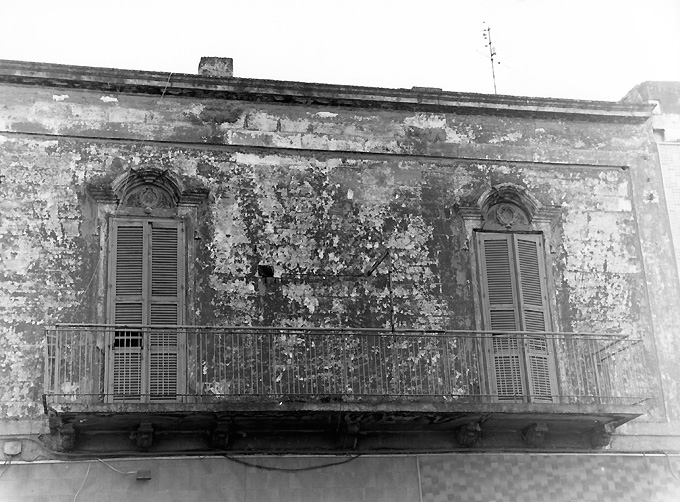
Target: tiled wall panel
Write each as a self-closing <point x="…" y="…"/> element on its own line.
<point x="435" y="478"/>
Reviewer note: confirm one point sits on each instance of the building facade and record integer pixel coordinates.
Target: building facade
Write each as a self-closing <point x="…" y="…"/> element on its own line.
<point x="226" y="288"/>
<point x="665" y="97"/>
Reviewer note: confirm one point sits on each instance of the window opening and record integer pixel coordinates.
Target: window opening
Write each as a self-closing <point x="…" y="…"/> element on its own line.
<point x="514" y="294"/>
<point x="145" y="300"/>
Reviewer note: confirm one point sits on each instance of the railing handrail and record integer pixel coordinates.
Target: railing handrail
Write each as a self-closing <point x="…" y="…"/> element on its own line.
<point x="307" y="361"/>
<point x="340" y="330"/>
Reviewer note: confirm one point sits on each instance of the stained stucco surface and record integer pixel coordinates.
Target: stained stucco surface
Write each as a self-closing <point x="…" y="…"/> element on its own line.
<point x="319" y="194"/>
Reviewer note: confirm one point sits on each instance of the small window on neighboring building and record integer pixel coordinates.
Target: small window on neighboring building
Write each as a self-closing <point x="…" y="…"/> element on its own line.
<point x="659" y="135"/>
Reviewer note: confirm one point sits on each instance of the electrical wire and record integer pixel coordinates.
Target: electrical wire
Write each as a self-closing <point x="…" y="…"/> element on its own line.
<point x="284" y="469"/>
<point x="670" y="467"/>
<point x="166" y="85"/>
<point x="89" y="466"/>
<point x="6" y="466"/>
<point x="113" y="468"/>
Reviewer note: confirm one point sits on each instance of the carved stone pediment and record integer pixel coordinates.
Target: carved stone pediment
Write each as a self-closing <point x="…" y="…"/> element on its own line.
<point x="148" y="189"/>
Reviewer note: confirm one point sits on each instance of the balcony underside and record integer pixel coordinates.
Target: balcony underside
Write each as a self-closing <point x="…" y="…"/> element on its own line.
<point x="285" y="389"/>
<point x="414" y="425"/>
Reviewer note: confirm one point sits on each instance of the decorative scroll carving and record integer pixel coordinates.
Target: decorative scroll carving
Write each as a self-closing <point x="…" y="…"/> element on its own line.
<point x="534" y="435"/>
<point x="508" y="207"/>
<point x="512" y="194"/>
<point x="148" y="197"/>
<point x="467" y="435"/>
<point x="148" y="189"/>
<point x="509" y="215"/>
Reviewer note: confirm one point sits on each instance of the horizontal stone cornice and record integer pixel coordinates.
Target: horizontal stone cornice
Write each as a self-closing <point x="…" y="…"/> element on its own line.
<point x="312" y="94"/>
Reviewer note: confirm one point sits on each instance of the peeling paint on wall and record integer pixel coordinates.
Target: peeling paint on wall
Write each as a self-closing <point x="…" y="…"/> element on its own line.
<point x="319" y="196"/>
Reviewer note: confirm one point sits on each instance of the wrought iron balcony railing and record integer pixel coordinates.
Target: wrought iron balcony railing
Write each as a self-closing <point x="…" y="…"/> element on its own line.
<point x="144" y="364"/>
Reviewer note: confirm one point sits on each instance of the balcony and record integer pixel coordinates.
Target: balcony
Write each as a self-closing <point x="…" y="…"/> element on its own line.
<point x="273" y="378"/>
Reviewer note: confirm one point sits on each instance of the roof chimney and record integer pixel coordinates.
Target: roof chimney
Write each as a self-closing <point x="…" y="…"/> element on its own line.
<point x="216" y="67"/>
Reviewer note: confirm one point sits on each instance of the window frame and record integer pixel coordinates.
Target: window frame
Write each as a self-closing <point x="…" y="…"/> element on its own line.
<point x="126" y="194"/>
<point x="531" y="351"/>
<point x="148" y="351"/>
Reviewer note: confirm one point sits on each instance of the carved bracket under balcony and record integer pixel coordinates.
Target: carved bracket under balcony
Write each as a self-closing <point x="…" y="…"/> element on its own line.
<point x="348" y="435"/>
<point x="468" y="435"/>
<point x="534" y="435"/>
<point x="67" y="438"/>
<point x="601" y="435"/>
<point x="143" y="436"/>
<point x="219" y="437"/>
<point x="62" y="436"/>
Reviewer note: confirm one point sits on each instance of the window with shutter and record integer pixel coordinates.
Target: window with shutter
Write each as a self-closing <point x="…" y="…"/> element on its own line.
<point x="145" y="302"/>
<point x="512" y="268"/>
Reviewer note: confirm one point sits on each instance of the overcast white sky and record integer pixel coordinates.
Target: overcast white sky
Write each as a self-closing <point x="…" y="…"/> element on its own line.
<point x="582" y="49"/>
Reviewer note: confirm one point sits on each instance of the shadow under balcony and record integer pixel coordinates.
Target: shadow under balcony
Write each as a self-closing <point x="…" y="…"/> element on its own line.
<point x="300" y="389"/>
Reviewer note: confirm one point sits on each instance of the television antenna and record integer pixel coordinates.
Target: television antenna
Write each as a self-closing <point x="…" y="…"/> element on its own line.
<point x="492" y="52"/>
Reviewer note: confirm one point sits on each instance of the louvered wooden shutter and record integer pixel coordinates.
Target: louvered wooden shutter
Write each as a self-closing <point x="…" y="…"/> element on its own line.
<point x="499" y="293"/>
<point x="146" y="288"/>
<point x="165" y="308"/>
<point x="515" y="299"/>
<point x="127" y="305"/>
<point x="535" y="316"/>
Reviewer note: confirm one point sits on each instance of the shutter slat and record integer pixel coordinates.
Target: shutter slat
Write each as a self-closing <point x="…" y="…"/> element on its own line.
<point x="498" y="272"/>
<point x="127" y="376"/>
<point x="539" y="370"/>
<point x="164" y="261"/>
<point x="530" y="272"/>
<point x="534" y="320"/>
<point x="129" y="260"/>
<point x="128" y="313"/>
<point x="508" y="378"/>
<point x="503" y="320"/>
<point x="163" y="376"/>
<point x="163" y="314"/>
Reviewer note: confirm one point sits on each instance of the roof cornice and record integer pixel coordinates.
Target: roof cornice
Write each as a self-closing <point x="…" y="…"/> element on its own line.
<point x="277" y="91"/>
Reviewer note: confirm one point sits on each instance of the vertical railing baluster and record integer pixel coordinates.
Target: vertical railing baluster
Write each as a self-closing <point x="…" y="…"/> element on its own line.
<point x="591" y="369"/>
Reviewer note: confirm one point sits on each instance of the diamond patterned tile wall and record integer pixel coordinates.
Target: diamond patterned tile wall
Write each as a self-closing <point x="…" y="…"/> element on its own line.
<point x="399" y="478"/>
<point x="558" y="478"/>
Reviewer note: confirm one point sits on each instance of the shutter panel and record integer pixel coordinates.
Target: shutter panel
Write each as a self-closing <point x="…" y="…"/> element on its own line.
<point x="164" y="310"/>
<point x="499" y="289"/>
<point x="146" y="288"/>
<point x="532" y="282"/>
<point x="128" y="308"/>
<point x="501" y="313"/>
<point x="533" y="299"/>
<point x="515" y="299"/>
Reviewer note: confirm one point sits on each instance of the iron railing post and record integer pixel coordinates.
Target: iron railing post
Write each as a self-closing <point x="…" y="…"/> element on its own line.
<point x="228" y="362"/>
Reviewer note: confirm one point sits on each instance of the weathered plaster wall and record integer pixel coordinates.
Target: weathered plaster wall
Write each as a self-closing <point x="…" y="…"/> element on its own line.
<point x="211" y="121"/>
<point x="320" y="194"/>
